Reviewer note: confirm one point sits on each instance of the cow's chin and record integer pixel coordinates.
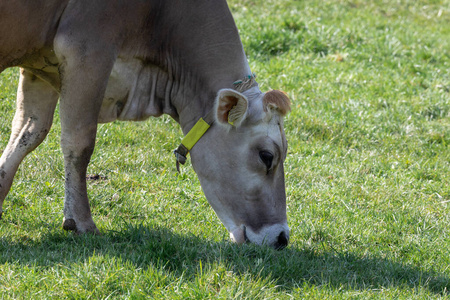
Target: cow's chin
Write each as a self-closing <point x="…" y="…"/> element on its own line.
<point x="238" y="235"/>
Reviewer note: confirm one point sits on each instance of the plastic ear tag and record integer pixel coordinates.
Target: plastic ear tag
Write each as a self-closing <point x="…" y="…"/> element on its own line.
<point x="230" y="113"/>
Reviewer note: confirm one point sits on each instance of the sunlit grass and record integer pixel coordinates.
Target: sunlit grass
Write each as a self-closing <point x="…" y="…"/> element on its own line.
<point x="367" y="174"/>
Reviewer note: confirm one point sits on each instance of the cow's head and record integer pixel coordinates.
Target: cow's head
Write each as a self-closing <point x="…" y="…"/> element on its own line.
<point x="239" y="162"/>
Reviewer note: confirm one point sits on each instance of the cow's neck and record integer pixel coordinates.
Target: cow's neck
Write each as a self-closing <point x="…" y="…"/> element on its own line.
<point x="197" y="99"/>
<point x="205" y="55"/>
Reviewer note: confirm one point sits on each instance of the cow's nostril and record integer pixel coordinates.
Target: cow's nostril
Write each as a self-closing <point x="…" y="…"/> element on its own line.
<point x="282" y="241"/>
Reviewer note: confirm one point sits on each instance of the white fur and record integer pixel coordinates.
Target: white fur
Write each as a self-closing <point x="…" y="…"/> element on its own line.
<point x="238" y="113"/>
<point x="238" y="235"/>
<point x="268" y="235"/>
<point x="219" y="177"/>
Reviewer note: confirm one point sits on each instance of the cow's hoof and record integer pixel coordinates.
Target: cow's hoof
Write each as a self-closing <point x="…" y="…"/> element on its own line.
<point x="69" y="225"/>
<point x="91" y="230"/>
<point x="89" y="227"/>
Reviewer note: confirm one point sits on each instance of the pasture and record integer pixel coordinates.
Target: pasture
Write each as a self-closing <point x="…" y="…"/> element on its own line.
<point x="367" y="174"/>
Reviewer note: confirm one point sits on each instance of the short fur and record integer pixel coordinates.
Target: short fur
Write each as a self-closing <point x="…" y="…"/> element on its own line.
<point x="130" y="60"/>
<point x="231" y="107"/>
<point x="277" y="100"/>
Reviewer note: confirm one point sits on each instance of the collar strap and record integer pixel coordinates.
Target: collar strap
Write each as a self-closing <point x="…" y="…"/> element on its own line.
<point x="192" y="137"/>
<point x="203" y="124"/>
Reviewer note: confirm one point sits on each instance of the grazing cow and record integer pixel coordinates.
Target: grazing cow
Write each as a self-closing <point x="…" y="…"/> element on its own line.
<point x="132" y="59"/>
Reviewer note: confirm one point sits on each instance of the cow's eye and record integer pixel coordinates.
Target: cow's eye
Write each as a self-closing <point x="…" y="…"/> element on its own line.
<point x="267" y="158"/>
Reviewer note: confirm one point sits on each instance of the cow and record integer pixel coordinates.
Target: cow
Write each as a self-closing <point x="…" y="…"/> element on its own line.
<point x="110" y="60"/>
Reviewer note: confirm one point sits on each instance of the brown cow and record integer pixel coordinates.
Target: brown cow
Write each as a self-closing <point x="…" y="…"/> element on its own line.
<point x="132" y="59"/>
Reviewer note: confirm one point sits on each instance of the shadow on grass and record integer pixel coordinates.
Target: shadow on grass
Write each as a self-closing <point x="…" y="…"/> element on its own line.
<point x="148" y="247"/>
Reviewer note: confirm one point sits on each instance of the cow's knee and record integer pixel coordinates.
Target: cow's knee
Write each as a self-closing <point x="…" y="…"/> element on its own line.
<point x="36" y="102"/>
<point x="32" y="135"/>
<point x="78" y="144"/>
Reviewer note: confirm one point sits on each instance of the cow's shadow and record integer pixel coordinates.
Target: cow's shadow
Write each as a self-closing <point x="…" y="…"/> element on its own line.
<point x="145" y="247"/>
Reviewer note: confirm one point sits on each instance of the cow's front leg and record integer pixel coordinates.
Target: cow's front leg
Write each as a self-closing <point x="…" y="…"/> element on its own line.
<point x="35" y="105"/>
<point x="77" y="144"/>
<point x="83" y="87"/>
<point x="78" y="132"/>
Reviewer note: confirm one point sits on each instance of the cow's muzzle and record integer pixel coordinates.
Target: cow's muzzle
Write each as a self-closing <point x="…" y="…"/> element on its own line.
<point x="277" y="240"/>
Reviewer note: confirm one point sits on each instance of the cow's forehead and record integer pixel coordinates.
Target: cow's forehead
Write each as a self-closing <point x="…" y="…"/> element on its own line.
<point x="261" y="123"/>
<point x="272" y="128"/>
<point x="255" y="105"/>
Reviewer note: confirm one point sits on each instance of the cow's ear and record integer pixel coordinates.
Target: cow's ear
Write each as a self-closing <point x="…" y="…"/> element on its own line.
<point x="277" y="101"/>
<point x="231" y="107"/>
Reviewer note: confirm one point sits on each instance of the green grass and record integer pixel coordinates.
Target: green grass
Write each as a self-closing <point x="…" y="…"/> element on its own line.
<point x="367" y="174"/>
